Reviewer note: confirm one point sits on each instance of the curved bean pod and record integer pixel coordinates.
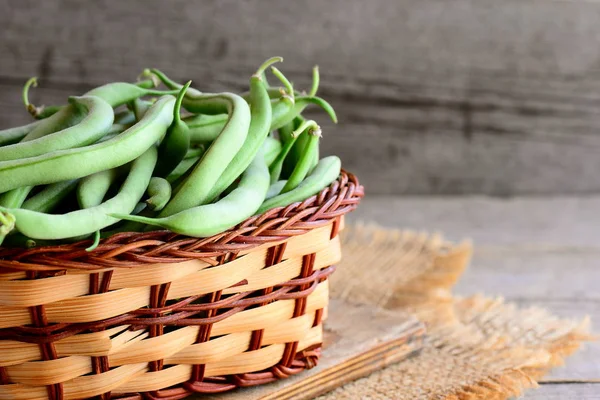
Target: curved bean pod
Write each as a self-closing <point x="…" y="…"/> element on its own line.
<point x="260" y="123"/>
<point x="305" y="162"/>
<point x="291" y="139"/>
<point x="301" y="102"/>
<point x="326" y="171"/>
<point x="58" y="166"/>
<point x="7" y="224"/>
<point x="84" y="222"/>
<point x="159" y="193"/>
<point x="272" y="148"/>
<point x="176" y="142"/>
<point x="68" y="116"/>
<point x="50" y="197"/>
<point x="93" y="188"/>
<point x="125" y="117"/>
<point x="92" y="127"/>
<point x="275" y="189"/>
<point x="14" y="135"/>
<point x="15" y="198"/>
<point x="210" y="219"/>
<point x="184" y="167"/>
<point x="205" y="128"/>
<point x="195" y="189"/>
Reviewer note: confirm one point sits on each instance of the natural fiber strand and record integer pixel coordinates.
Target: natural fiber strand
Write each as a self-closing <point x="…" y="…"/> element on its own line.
<point x="477" y="348"/>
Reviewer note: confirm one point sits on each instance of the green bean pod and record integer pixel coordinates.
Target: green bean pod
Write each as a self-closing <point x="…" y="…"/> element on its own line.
<point x="139" y="108"/>
<point x="68" y="116"/>
<point x="176" y="142"/>
<point x="7" y="224"/>
<point x="327" y="170"/>
<point x="275" y="189"/>
<point x="184" y="167"/>
<point x="210" y="219"/>
<point x="59" y="165"/>
<point x="92" y="127"/>
<point x="38" y="225"/>
<point x="282" y="118"/>
<point x="260" y="123"/>
<point x="305" y="162"/>
<point x="119" y="93"/>
<point x="15" y="135"/>
<point x="93" y="188"/>
<point x="44" y="112"/>
<point x="15" y="198"/>
<point x="50" y="197"/>
<point x="272" y="148"/>
<point x="194" y="152"/>
<point x="159" y="193"/>
<point x="205" y="128"/>
<point x="125" y="117"/>
<point x="195" y="189"/>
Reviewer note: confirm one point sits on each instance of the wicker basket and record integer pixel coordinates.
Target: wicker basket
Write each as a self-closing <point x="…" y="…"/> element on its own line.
<point x="161" y="316"/>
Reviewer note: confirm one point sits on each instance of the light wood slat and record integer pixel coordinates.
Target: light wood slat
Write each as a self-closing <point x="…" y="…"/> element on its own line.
<point x="26" y="293"/>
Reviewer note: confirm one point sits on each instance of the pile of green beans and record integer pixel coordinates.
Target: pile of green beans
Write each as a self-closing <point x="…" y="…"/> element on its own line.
<point x="135" y="157"/>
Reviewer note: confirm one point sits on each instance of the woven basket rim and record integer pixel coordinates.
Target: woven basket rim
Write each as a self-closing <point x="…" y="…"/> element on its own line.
<point x="134" y="249"/>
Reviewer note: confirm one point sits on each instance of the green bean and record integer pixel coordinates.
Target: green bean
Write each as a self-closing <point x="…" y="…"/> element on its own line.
<point x="316" y="79"/>
<point x="184" y="168"/>
<point x="93" y="188"/>
<point x="286" y="135"/>
<point x="7" y="224"/>
<point x="313" y="132"/>
<point x="289" y="88"/>
<point x="139" y="107"/>
<point x="128" y="226"/>
<point x="205" y="128"/>
<point x="272" y="149"/>
<point x="281" y="118"/>
<point x="36" y="112"/>
<point x="94" y="126"/>
<point x="275" y="189"/>
<point x="95" y="243"/>
<point x="15" y="198"/>
<point x="260" y="123"/>
<point x="83" y="222"/>
<point x="297" y="150"/>
<point x="14" y="135"/>
<point x="194" y="152"/>
<point x="116" y="94"/>
<point x="119" y="93"/>
<point x="115" y="129"/>
<point x="50" y="197"/>
<point x="66" y="117"/>
<point x="159" y="193"/>
<point x="125" y="117"/>
<point x="59" y="165"/>
<point x="210" y="219"/>
<point x="326" y="171"/>
<point x="195" y="189"/>
<point x="176" y="142"/>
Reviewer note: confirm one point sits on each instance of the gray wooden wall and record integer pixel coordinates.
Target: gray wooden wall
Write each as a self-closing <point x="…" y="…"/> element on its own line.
<point x="433" y="96"/>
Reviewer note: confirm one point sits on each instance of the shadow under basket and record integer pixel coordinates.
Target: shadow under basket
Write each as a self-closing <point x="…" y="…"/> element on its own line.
<point x="162" y="316"/>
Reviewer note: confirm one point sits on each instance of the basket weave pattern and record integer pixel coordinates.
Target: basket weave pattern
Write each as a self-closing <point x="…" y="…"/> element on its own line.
<point x="161" y="316"/>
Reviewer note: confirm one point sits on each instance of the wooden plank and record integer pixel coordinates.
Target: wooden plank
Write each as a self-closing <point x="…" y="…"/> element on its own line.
<point x="589" y="391"/>
<point x="533" y="251"/>
<point x="351" y="351"/>
<point x="447" y="98"/>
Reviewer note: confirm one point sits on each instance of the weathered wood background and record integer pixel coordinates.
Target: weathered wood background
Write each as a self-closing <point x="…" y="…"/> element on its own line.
<point x="434" y="96"/>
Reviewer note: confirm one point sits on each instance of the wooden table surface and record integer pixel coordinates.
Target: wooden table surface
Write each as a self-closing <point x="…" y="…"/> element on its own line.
<point x="532" y="251"/>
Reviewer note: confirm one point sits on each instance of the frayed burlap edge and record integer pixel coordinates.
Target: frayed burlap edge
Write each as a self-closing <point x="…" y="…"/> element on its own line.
<point x="477" y="348"/>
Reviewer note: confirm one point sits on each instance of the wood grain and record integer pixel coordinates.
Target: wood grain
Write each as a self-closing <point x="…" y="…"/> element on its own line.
<point x="435" y="97"/>
<point x="352" y="351"/>
<point x="535" y="251"/>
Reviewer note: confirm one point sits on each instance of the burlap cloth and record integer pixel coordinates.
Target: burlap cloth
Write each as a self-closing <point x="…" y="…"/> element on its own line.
<point x="477" y="347"/>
